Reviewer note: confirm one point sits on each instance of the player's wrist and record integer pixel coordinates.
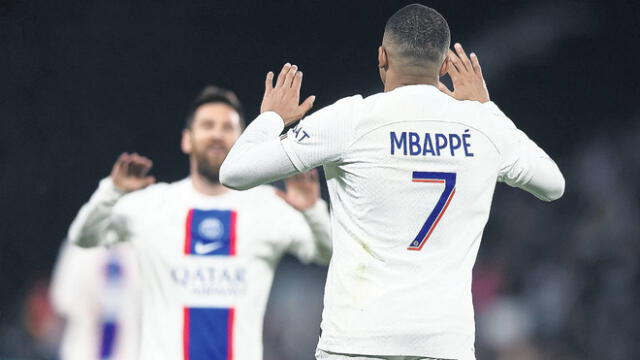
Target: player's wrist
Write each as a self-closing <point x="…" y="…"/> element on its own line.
<point x="272" y="119"/>
<point x="493" y="107"/>
<point x="108" y="189"/>
<point x="119" y="187"/>
<point x="318" y="207"/>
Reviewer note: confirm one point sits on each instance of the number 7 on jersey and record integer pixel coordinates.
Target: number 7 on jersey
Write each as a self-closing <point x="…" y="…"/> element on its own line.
<point x="449" y="181"/>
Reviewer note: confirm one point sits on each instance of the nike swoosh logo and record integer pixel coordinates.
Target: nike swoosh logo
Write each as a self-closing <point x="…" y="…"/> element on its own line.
<point x="202" y="248"/>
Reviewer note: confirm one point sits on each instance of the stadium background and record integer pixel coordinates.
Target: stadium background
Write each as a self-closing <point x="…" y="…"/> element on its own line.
<point x="82" y="81"/>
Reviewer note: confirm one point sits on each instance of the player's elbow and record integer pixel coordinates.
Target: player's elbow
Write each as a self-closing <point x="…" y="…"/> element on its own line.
<point x="232" y="178"/>
<point x="555" y="191"/>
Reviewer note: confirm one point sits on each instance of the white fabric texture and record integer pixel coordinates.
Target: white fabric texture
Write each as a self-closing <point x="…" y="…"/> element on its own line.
<point x="278" y="167"/>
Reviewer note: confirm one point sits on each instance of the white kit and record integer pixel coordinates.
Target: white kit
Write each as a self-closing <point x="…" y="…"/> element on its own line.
<point x="206" y="262"/>
<point x="411" y="174"/>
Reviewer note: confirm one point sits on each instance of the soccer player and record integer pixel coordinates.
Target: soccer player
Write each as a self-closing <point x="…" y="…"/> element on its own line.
<point x="206" y="253"/>
<point x="100" y="304"/>
<point x="411" y="173"/>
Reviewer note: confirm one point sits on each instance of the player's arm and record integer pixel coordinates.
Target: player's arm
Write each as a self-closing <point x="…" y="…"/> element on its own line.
<point x="310" y="240"/>
<point x="97" y="223"/>
<point x="61" y="290"/>
<point x="525" y="165"/>
<point x="261" y="156"/>
<point x="257" y="156"/>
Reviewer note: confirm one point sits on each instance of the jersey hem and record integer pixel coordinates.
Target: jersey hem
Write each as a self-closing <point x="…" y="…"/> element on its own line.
<point x="442" y="347"/>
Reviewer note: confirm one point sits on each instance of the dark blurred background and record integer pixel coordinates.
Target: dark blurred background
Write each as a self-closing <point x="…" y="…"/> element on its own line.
<point x="83" y="81"/>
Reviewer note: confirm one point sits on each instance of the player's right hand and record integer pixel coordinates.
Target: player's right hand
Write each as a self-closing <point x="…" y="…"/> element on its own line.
<point x="130" y="171"/>
<point x="302" y="190"/>
<point x="284" y="97"/>
<point x="466" y="76"/>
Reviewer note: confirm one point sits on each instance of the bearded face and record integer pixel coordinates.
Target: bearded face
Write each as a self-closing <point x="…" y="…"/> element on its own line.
<point x="215" y="127"/>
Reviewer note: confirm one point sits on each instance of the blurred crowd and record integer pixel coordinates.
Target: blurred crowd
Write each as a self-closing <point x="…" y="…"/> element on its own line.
<point x="552" y="281"/>
<point x="559" y="281"/>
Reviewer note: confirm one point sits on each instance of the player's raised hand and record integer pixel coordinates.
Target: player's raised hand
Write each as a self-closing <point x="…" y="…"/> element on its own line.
<point x="130" y="171"/>
<point x="466" y="76"/>
<point x="302" y="190"/>
<point x="284" y="97"/>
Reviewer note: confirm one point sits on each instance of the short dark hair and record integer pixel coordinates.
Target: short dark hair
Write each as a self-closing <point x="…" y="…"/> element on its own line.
<point x="212" y="94"/>
<point x="418" y="34"/>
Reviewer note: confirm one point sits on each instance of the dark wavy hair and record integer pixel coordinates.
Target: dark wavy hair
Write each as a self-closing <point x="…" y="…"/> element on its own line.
<point x="212" y="94"/>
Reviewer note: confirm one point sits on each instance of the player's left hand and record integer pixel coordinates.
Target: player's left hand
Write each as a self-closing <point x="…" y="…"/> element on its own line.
<point x="302" y="190"/>
<point x="284" y="97"/>
<point x="466" y="76"/>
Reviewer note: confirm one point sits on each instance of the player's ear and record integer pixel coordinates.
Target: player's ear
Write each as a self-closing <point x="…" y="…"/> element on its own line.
<point x="185" y="143"/>
<point x="444" y="68"/>
<point x="382" y="58"/>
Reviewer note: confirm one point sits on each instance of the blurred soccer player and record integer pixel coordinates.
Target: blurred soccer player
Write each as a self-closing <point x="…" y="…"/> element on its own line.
<point x="96" y="291"/>
<point x="411" y="173"/>
<point x="206" y="253"/>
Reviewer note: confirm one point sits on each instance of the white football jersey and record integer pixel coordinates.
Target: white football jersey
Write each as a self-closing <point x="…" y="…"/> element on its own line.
<point x="411" y="174"/>
<point x="206" y="262"/>
<point x="96" y="291"/>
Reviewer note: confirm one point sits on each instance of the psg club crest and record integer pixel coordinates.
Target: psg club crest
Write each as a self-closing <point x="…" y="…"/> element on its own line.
<point x="210" y="233"/>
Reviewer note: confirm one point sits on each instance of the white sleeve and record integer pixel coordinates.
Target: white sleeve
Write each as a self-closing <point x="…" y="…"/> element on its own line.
<point x="324" y="136"/>
<point x="259" y="156"/>
<point x="310" y="237"/>
<point x="524" y="164"/>
<point x="97" y="223"/>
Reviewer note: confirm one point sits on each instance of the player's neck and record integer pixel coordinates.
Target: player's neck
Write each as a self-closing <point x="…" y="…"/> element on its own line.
<point x="205" y="186"/>
<point x="395" y="80"/>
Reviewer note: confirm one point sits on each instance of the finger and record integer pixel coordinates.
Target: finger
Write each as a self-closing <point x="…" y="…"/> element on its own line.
<point x="150" y="180"/>
<point x="118" y="164"/>
<point x="129" y="167"/>
<point x="442" y="87"/>
<point x="283" y="73"/>
<point x="312" y="177"/>
<point x="463" y="57"/>
<point x="313" y="174"/>
<point x="297" y="83"/>
<point x="136" y="165"/>
<point x="476" y="64"/>
<point x="281" y="194"/>
<point x="268" y="83"/>
<point x="307" y="104"/>
<point x="124" y="164"/>
<point x="134" y="168"/>
<point x="146" y="167"/>
<point x="299" y="177"/>
<point x="288" y="80"/>
<point x="454" y="69"/>
<point x="145" y="160"/>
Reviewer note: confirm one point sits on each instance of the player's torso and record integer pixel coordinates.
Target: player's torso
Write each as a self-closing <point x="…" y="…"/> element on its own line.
<point x="412" y="157"/>
<point x="207" y="265"/>
<point x="415" y="189"/>
<point x="103" y="319"/>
